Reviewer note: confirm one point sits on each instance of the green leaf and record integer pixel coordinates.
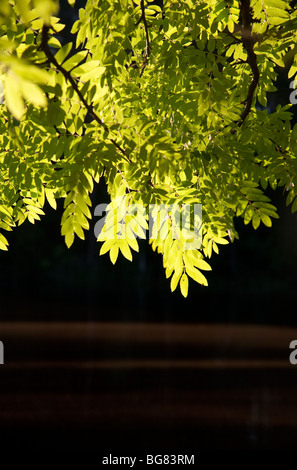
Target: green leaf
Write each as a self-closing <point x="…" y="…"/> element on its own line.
<point x="256" y="220"/>
<point x="51" y="198"/>
<point x="266" y="220"/>
<point x="69" y="239"/>
<point x="294" y="206"/>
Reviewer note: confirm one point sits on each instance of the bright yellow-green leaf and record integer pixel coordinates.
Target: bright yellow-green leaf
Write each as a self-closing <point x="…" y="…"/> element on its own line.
<point x="178" y="265"/>
<point x="114" y="252"/>
<point x="132" y="241"/>
<point x="184" y="285"/>
<point x="27" y="71"/>
<point x="3" y="243"/>
<point x="51" y="198"/>
<point x="256" y="220"/>
<point x="79" y="231"/>
<point x="266" y="220"/>
<point x="168" y="272"/>
<point x="173" y="253"/>
<point x="220" y="240"/>
<point x="292" y="70"/>
<point x="197" y="276"/>
<point x="33" y="93"/>
<point x="69" y="239"/>
<point x="35" y="209"/>
<point x="201" y="264"/>
<point x="174" y="280"/>
<point x="106" y="246"/>
<point x="124" y="247"/>
<point x="13" y="97"/>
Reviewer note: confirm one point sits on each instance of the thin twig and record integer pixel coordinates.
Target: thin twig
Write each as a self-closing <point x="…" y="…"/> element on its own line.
<point x="248" y="44"/>
<point x="147" y="39"/>
<point x="70" y="79"/>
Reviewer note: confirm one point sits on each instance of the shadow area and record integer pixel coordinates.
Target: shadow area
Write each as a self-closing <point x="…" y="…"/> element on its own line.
<point x="120" y="387"/>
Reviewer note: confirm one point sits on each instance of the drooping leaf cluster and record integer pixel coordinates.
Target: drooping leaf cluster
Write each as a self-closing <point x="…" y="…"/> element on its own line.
<point x="161" y="103"/>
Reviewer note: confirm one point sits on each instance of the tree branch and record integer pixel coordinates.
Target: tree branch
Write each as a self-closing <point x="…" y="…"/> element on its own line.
<point x="147" y="39"/>
<point x="248" y="44"/>
<point x="70" y="79"/>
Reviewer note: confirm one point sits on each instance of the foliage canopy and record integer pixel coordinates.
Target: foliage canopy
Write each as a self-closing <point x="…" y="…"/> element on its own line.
<point x="166" y="103"/>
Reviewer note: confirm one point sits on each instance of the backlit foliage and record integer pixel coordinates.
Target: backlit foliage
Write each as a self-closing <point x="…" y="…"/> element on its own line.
<point x="160" y="103"/>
